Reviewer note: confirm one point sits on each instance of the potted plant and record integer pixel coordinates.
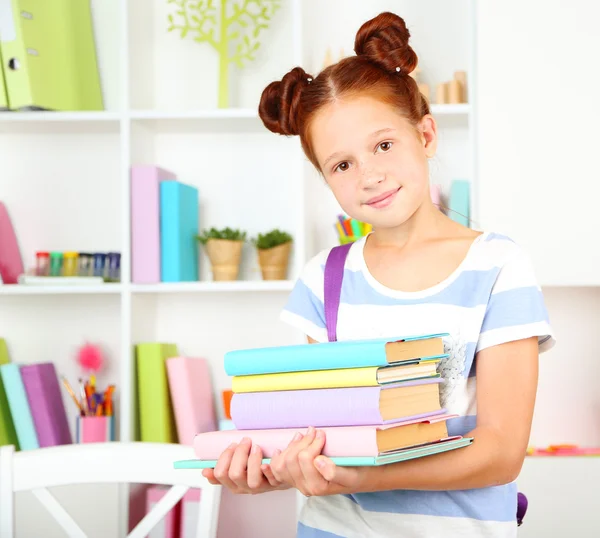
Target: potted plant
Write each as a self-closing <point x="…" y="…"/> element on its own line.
<point x="224" y="250"/>
<point x="273" y="250"/>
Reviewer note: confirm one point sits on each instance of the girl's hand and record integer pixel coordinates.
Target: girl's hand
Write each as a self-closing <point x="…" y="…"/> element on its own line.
<point x="301" y="466"/>
<point x="240" y="469"/>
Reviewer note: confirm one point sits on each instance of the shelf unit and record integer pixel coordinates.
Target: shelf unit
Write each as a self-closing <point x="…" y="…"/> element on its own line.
<point x="161" y="96"/>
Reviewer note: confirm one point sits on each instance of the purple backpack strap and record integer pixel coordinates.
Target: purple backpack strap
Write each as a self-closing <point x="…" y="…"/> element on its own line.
<point x="334" y="273"/>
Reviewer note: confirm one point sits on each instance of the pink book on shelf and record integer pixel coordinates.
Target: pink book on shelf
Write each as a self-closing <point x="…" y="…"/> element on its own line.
<point x="340" y="441"/>
<point x="46" y="403"/>
<point x="167" y="527"/>
<point x="11" y="263"/>
<point x="145" y="222"/>
<point x="192" y="397"/>
<point x="190" y="512"/>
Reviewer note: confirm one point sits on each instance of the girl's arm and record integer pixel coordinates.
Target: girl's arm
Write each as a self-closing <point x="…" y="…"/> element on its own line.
<point x="506" y="389"/>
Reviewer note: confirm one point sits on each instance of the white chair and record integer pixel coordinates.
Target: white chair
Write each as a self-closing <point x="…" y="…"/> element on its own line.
<point x="93" y="463"/>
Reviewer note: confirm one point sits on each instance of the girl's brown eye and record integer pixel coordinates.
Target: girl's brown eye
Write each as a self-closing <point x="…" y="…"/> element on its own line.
<point x="343" y="166"/>
<point x="385" y="146"/>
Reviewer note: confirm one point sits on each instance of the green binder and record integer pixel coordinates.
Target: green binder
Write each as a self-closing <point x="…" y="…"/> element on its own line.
<point x="155" y="410"/>
<point x="8" y="433"/>
<point x="49" y="55"/>
<point x="3" y="96"/>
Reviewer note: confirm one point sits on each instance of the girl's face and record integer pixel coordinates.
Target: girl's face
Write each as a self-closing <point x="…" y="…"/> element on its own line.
<point x="373" y="159"/>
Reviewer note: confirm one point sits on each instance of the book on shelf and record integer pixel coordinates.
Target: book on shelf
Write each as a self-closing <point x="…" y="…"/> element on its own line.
<point x="363" y="425"/>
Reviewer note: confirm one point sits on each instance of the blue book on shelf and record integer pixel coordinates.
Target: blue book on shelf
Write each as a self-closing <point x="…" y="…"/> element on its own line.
<point x="331" y="355"/>
<point x="178" y="230"/>
<point x="19" y="406"/>
<point x="459" y="202"/>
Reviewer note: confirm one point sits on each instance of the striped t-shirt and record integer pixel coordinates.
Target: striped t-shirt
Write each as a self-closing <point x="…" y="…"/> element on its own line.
<point x="491" y="298"/>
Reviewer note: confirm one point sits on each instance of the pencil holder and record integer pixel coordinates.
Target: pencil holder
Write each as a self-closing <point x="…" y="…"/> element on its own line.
<point x="347" y="239"/>
<point x="99" y="429"/>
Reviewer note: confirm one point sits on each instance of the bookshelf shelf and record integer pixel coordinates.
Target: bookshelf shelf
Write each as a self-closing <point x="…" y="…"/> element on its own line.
<point x="61" y="290"/>
<point x="214" y="287"/>
<point x="50" y="116"/>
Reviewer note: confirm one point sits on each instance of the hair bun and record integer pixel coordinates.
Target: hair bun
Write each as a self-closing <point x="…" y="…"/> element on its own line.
<point x="279" y="102"/>
<point x="384" y="41"/>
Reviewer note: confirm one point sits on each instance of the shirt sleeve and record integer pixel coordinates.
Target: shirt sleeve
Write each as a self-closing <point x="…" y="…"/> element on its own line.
<point x="304" y="308"/>
<point x="516" y="308"/>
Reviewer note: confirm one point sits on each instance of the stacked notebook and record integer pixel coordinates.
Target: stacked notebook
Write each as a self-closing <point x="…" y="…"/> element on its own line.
<point x="378" y="401"/>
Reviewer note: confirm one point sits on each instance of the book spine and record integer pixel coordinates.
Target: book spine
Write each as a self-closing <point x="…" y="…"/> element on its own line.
<point x="178" y="230"/>
<point x="46" y="404"/>
<point x="157" y="422"/>
<point x="192" y="397"/>
<point x="19" y="407"/>
<point x="145" y="222"/>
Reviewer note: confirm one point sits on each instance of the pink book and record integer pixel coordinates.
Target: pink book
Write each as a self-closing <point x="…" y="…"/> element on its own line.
<point x="168" y="527"/>
<point x="11" y="263"/>
<point x="46" y="404"/>
<point x="340" y="441"/>
<point x="190" y="512"/>
<point x="145" y="222"/>
<point x="192" y="398"/>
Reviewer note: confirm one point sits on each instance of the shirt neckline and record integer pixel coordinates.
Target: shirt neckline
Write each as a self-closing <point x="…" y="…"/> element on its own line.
<point x="378" y="286"/>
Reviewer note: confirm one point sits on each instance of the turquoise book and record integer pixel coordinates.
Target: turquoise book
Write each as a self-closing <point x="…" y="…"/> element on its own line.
<point x="459" y="202"/>
<point x="335" y="355"/>
<point x="10" y="375"/>
<point x="179" y="215"/>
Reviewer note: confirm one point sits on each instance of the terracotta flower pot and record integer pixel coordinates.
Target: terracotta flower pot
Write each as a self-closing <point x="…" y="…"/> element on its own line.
<point x="225" y="256"/>
<point x="274" y="261"/>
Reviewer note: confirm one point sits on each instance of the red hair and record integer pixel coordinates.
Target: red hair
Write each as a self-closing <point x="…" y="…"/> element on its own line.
<point x="381" y="69"/>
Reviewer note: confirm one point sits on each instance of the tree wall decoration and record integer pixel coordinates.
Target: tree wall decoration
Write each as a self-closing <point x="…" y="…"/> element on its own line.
<point x="232" y="28"/>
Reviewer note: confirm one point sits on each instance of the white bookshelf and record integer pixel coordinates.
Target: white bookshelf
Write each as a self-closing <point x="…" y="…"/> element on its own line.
<point x="65" y="180"/>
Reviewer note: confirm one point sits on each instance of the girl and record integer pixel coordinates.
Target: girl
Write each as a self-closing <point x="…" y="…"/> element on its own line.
<point x="367" y="129"/>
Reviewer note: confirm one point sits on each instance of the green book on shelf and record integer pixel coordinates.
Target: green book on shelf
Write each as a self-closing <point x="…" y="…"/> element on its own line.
<point x="156" y="417"/>
<point x="8" y="433"/>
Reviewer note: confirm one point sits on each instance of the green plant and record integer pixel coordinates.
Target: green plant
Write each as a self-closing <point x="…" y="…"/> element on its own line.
<point x="224" y="233"/>
<point x="271" y="239"/>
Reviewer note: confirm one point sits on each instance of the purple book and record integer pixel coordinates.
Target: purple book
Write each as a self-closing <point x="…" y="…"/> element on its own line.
<point x="46" y="404"/>
<point x="353" y="406"/>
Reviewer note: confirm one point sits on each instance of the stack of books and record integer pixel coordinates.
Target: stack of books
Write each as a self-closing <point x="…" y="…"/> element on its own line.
<point x="378" y="401"/>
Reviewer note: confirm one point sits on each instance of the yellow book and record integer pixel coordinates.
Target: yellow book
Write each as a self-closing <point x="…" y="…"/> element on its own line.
<point x="370" y="376"/>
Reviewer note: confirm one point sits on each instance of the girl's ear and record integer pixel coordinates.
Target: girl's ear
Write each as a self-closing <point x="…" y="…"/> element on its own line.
<point x="428" y="136"/>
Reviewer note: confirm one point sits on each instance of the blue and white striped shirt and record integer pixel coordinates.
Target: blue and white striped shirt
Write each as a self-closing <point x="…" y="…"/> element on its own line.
<point x="491" y="298"/>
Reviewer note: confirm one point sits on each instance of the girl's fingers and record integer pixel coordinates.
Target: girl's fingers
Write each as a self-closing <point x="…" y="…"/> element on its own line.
<point x="221" y="471"/>
<point x="255" y="477"/>
<point x="239" y="464"/>
<point x="268" y="472"/>
<point x="314" y="481"/>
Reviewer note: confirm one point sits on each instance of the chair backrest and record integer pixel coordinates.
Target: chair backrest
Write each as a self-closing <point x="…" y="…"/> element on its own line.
<point x="113" y="462"/>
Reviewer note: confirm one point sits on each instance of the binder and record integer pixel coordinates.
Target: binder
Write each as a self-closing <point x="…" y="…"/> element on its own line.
<point x="49" y="55"/>
<point x="3" y="95"/>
